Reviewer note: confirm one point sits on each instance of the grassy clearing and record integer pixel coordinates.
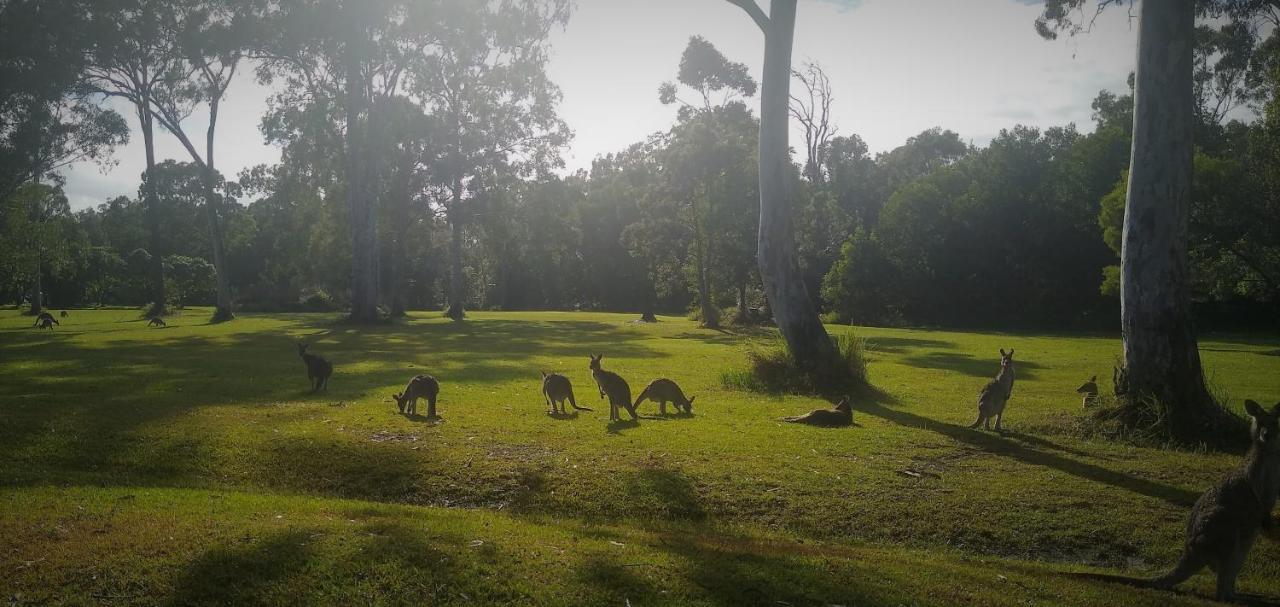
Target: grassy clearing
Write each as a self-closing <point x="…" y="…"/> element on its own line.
<point x="209" y="428"/>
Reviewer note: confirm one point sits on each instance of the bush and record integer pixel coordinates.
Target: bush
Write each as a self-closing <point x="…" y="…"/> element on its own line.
<point x="772" y="370"/>
<point x="317" y="300"/>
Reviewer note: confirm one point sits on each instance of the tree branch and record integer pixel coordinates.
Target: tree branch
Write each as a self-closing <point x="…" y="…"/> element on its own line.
<point x="754" y="11"/>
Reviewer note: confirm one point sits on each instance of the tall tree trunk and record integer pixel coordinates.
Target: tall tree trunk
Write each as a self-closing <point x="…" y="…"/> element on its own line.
<point x="793" y="308"/>
<point x="457" y="280"/>
<point x="744" y="311"/>
<point x="710" y="315"/>
<point x="213" y="209"/>
<point x="398" y="262"/>
<point x="152" y="212"/>
<point x="648" y="312"/>
<point x="1160" y="353"/>
<point x="37" y="288"/>
<point x="364" y="228"/>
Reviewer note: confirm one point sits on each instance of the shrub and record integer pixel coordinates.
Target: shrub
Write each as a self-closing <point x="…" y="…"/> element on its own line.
<point x="771" y="369"/>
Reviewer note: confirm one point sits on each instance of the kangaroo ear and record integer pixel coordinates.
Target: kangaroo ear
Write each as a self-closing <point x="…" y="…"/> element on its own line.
<point x="1276" y="410"/>
<point x="1002" y="352"/>
<point x="1253" y="408"/>
<point x="1010" y="352"/>
<point x="693" y="397"/>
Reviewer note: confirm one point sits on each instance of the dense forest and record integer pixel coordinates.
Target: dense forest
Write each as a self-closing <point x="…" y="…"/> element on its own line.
<point x="448" y="125"/>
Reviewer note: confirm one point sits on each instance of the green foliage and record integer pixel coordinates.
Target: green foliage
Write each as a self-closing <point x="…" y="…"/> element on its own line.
<point x="772" y="370"/>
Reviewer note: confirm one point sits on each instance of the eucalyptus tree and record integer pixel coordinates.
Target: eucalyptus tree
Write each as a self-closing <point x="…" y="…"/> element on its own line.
<point x="705" y="161"/>
<point x="339" y="60"/>
<point x="133" y="56"/>
<point x="812" y="109"/>
<point x="793" y="307"/>
<point x="211" y="37"/>
<point x="485" y="82"/>
<point x="44" y="126"/>
<point x="1161" y="356"/>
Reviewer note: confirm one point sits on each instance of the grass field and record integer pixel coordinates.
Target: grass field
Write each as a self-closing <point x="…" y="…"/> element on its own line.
<point x="189" y="465"/>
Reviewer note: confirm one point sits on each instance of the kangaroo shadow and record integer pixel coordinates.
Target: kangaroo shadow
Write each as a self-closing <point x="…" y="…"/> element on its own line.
<point x="1241" y="598"/>
<point x="618" y="425"/>
<point x="568" y="415"/>
<point x="1004" y="446"/>
<point x="433" y="420"/>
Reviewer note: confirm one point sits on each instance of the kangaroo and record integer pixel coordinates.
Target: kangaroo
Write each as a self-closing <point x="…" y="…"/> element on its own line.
<point x="64" y="314"/>
<point x="663" y="391"/>
<point x="841" y="415"/>
<point x="156" y="321"/>
<point x="45" y="320"/>
<point x="996" y="394"/>
<point x="421" y="386"/>
<point x="1089" y="392"/>
<point x="612" y="385"/>
<point x="1226" y="519"/>
<point x="557" y="389"/>
<point x="318" y="369"/>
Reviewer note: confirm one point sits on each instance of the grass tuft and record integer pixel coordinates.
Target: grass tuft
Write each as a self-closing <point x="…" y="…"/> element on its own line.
<point x="773" y="370"/>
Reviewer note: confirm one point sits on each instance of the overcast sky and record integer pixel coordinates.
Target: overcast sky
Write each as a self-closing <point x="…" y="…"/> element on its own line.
<point x="897" y="67"/>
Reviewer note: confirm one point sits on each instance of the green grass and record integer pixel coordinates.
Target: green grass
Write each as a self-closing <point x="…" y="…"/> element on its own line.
<point x="189" y="465"/>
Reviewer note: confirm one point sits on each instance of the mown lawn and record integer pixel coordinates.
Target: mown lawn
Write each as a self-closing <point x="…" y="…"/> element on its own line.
<point x="189" y="465"/>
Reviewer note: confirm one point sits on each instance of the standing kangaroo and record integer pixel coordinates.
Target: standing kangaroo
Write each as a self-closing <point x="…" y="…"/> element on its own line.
<point x="612" y="385"/>
<point x="996" y="394"/>
<point x="1226" y="519"/>
<point x="1089" y="392"/>
<point x="663" y="391"/>
<point x="841" y="415"/>
<point x="421" y="386"/>
<point x="318" y="369"/>
<point x="557" y="389"/>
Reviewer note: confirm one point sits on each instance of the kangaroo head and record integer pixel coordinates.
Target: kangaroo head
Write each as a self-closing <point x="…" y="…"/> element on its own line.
<point x="595" y="362"/>
<point x="302" y="349"/>
<point x="544" y="374"/>
<point x="1265" y="426"/>
<point x="688" y="405"/>
<point x="1006" y="359"/>
<point x="844" y="405"/>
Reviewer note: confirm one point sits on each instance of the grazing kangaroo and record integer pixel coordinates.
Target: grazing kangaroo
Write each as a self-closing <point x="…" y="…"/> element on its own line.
<point x="1089" y="391"/>
<point x="663" y="391"/>
<point x="318" y="369"/>
<point x="156" y="321"/>
<point x="612" y="385"/>
<point x="64" y="314"/>
<point x="841" y="415"/>
<point x="43" y="319"/>
<point x="1226" y="519"/>
<point x="996" y="394"/>
<point x="557" y="389"/>
<point x="421" y="386"/>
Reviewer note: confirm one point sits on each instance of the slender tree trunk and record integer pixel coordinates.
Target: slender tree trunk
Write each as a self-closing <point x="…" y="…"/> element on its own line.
<point x="398" y="260"/>
<point x="213" y="209"/>
<point x="457" y="280"/>
<point x="710" y="316"/>
<point x="792" y="306"/>
<point x="364" y="228"/>
<point x="37" y="289"/>
<point x="744" y="311"/>
<point x="1160" y="353"/>
<point x="152" y="212"/>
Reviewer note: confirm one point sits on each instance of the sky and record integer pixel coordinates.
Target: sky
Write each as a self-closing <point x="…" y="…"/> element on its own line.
<point x="897" y="67"/>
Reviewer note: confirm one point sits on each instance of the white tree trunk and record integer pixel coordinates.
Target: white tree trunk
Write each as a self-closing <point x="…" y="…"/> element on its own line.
<point x="792" y="306"/>
<point x="1160" y="350"/>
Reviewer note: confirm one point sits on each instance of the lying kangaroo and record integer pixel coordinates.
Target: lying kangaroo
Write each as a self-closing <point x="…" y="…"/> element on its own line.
<point x="318" y="369"/>
<point x="156" y="321"/>
<point x="1226" y="519"/>
<point x="421" y="386"/>
<point x="841" y="415"/>
<point x="1089" y="392"/>
<point x="557" y="389"/>
<point x="612" y="385"/>
<point x="45" y="320"/>
<point x="996" y="394"/>
<point x="663" y="391"/>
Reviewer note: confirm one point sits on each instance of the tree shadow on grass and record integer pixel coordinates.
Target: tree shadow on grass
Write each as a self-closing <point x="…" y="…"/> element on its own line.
<point x="901" y="345"/>
<point x="999" y="445"/>
<point x="241" y="574"/>
<point x="969" y="365"/>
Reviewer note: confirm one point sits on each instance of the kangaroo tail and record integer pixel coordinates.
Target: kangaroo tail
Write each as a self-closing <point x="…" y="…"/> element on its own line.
<point x="639" y="399"/>
<point x="575" y="406"/>
<point x="1187" y="566"/>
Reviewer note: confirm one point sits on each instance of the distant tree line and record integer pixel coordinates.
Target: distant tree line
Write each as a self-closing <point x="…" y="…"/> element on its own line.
<point x="420" y="142"/>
